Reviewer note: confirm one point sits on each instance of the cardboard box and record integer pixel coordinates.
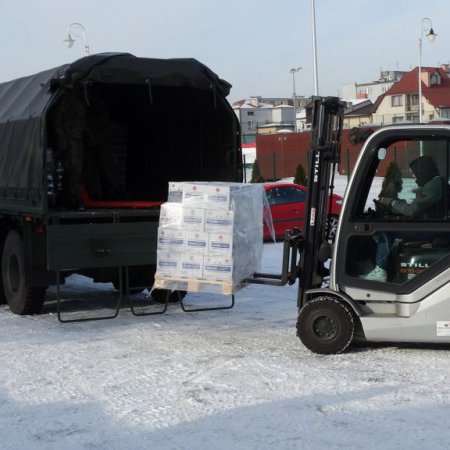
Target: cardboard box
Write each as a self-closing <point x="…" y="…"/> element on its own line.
<point x="193" y="195"/>
<point x="217" y="268"/>
<point x="171" y="240"/>
<point x="175" y="194"/>
<point x="220" y="244"/>
<point x="171" y="215"/>
<point x="196" y="242"/>
<point x="191" y="266"/>
<point x="193" y="219"/>
<point x="219" y="221"/>
<point x="168" y="263"/>
<point x="216" y="197"/>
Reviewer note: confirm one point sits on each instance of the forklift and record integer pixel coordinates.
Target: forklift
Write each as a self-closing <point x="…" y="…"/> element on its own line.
<point x="339" y="302"/>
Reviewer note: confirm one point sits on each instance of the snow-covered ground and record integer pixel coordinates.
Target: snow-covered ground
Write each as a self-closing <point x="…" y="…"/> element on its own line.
<point x="234" y="379"/>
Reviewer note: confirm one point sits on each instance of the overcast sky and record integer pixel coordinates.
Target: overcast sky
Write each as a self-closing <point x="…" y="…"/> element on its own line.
<point x="252" y="44"/>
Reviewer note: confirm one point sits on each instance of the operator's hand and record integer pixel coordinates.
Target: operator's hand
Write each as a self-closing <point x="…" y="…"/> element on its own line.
<point x="386" y="201"/>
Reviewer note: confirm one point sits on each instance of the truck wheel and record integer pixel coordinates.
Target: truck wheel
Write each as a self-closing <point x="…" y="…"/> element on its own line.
<point x="21" y="299"/>
<point x="325" y="325"/>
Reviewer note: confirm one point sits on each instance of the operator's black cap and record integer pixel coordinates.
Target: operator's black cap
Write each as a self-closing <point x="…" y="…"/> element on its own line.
<point x="424" y="168"/>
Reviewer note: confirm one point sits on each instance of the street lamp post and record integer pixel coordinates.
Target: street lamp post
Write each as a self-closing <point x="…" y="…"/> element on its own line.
<point x="314" y="42"/>
<point x="78" y="31"/>
<point x="294" y="95"/>
<point x="425" y="27"/>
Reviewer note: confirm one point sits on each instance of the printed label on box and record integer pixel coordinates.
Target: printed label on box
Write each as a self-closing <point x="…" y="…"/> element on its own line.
<point x="196" y="242"/>
<point x="219" y="221"/>
<point x="220" y="244"/>
<point x="171" y="240"/>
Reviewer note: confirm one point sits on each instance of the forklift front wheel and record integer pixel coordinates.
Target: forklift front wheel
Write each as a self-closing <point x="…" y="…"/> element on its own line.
<point x="325" y="325"/>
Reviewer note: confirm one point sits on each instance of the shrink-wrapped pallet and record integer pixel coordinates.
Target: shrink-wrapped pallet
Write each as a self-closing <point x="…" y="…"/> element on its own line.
<point x="213" y="234"/>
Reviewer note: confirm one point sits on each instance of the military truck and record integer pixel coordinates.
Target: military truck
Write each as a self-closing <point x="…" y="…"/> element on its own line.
<point x="159" y="121"/>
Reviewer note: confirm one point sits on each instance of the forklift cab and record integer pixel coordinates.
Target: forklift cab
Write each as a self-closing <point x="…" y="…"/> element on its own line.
<point x="412" y="248"/>
<point x="390" y="270"/>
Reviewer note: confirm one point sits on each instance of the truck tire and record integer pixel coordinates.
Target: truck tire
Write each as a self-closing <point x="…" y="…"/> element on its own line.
<point x="21" y="299"/>
<point x="325" y="325"/>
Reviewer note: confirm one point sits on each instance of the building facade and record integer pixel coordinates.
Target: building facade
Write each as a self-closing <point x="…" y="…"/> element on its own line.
<point x="401" y="102"/>
<point x="372" y="90"/>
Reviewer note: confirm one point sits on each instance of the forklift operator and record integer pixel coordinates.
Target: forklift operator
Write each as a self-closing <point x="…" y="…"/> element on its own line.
<point x="426" y="205"/>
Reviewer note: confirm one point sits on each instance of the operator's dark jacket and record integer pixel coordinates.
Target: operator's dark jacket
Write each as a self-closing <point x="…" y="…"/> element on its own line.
<point x="427" y="203"/>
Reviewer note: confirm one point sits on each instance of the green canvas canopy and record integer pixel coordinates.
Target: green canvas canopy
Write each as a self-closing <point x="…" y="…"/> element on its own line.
<point x="25" y="102"/>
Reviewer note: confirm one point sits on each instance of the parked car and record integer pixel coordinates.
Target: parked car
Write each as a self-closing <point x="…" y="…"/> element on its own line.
<point x="287" y="204"/>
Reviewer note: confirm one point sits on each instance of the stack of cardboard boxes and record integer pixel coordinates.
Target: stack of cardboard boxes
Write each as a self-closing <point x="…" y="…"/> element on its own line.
<point x="209" y="236"/>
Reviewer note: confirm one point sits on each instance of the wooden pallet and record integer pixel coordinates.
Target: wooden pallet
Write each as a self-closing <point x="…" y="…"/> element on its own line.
<point x="195" y="285"/>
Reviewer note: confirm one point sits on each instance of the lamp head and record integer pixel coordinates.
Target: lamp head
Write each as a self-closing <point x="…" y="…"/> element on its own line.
<point x="68" y="41"/>
<point x="431" y="36"/>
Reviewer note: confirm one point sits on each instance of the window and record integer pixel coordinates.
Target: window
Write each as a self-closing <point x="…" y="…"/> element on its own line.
<point x="397" y="100"/>
<point x="250" y="113"/>
<point x="282" y="195"/>
<point x="408" y="234"/>
<point x="414" y="99"/>
<point x="393" y="173"/>
<point x="435" y="79"/>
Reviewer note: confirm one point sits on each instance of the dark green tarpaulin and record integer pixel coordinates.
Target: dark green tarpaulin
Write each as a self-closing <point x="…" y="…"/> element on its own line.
<point x="25" y="101"/>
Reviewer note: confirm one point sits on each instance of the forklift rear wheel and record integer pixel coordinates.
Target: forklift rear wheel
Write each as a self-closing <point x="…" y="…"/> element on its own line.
<point x="21" y="299"/>
<point x="326" y="325"/>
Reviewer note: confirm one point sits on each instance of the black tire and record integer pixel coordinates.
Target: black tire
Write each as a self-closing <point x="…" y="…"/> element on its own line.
<point x="159" y="295"/>
<point x="21" y="299"/>
<point x="325" y="325"/>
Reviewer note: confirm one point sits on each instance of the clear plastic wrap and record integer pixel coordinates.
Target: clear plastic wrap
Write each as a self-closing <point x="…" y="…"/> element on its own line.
<point x="210" y="238"/>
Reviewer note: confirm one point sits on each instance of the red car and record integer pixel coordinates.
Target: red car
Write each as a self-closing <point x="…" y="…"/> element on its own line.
<point x="287" y="204"/>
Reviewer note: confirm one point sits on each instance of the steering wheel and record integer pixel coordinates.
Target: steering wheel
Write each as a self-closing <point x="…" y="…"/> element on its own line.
<point x="382" y="211"/>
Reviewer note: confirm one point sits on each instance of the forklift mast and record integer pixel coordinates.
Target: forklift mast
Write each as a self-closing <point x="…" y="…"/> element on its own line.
<point x="323" y="159"/>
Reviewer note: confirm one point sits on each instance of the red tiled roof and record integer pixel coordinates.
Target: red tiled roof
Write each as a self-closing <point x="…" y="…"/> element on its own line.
<point x="437" y="95"/>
